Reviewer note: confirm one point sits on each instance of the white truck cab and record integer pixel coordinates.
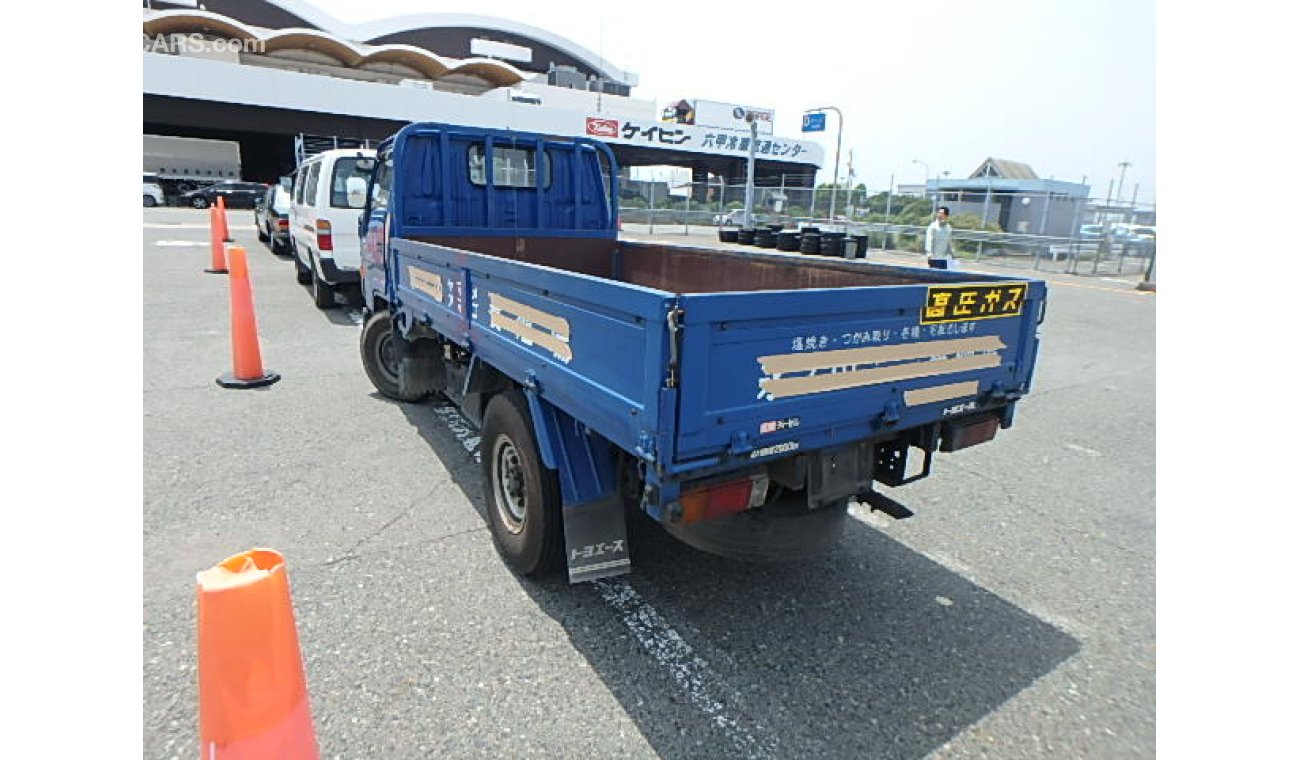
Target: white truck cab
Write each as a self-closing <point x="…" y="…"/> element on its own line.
<point x="329" y="191"/>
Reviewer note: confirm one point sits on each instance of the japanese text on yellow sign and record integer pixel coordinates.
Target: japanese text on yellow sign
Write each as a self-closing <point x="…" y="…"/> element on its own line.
<point x="958" y="303"/>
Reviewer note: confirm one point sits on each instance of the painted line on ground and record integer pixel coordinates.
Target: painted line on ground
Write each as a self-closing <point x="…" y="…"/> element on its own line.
<point x="704" y="688"/>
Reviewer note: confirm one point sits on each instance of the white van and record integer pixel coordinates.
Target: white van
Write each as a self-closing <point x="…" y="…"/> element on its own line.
<point x="329" y="191"/>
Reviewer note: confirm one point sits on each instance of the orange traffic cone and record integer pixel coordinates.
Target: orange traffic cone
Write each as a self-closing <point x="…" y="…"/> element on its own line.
<point x="218" y="247"/>
<point x="225" y="224"/>
<point x="247" y="350"/>
<point x="252" y="690"/>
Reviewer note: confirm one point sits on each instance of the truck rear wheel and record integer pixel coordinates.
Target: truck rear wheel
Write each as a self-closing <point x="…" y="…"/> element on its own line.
<point x="379" y="357"/>
<point x="523" y="496"/>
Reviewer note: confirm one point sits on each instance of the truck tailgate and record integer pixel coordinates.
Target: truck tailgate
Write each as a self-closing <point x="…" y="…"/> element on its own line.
<point x="769" y="373"/>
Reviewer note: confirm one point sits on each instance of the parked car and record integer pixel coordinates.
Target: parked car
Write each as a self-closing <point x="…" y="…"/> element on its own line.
<point x="153" y="192"/>
<point x="271" y="217"/>
<point x="736" y="217"/>
<point x="1142" y="239"/>
<point x="1091" y="232"/>
<point x="329" y="192"/>
<point x="236" y="194"/>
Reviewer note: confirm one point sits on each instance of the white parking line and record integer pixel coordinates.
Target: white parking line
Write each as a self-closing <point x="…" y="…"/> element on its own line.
<point x="461" y="428"/>
<point x="706" y="691"/>
<point x="704" y="688"/>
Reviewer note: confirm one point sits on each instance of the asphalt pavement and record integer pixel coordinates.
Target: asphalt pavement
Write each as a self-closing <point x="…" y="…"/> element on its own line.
<point x="1012" y="617"/>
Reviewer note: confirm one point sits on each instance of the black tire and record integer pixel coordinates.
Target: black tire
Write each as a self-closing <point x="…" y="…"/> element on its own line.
<point x="149" y="201"/>
<point x="304" y="274"/>
<point x="523" y="496"/>
<point x="378" y="358"/>
<point x="322" y="293"/>
<point x="261" y="234"/>
<point x="199" y="202"/>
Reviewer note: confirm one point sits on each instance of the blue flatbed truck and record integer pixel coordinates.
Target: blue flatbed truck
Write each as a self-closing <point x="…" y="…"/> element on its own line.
<point x="740" y="399"/>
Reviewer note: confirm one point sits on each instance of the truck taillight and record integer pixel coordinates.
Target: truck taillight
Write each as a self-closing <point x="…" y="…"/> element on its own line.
<point x="324" y="236"/>
<point x="722" y="499"/>
<point x="282" y="223"/>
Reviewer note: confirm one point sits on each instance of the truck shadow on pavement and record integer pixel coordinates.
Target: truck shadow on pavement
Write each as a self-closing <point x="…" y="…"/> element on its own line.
<point x="871" y="651"/>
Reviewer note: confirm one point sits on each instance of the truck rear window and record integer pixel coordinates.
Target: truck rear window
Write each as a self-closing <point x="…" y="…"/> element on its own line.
<point x="511" y="167"/>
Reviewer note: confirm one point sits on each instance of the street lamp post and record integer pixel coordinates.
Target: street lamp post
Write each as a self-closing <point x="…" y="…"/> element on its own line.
<point x="839" y="135"/>
<point x="927" y="182"/>
<point x="1119" y="191"/>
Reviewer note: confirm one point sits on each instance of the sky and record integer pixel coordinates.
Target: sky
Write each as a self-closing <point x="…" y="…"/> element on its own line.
<point x="1067" y="86"/>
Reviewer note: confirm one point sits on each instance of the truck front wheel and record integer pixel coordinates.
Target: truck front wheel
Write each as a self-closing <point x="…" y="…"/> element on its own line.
<point x="379" y="357"/>
<point x="523" y="496"/>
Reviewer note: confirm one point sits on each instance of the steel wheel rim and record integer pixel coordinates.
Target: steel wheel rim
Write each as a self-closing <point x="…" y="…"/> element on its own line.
<point x="386" y="357"/>
<point x="508" y="484"/>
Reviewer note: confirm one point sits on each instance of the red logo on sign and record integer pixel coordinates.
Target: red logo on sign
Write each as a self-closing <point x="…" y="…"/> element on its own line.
<point x="602" y="127"/>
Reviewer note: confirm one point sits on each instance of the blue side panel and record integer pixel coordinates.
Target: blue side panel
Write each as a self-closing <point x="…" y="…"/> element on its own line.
<point x="594" y="348"/>
<point x="772" y="372"/>
<point x="429" y="290"/>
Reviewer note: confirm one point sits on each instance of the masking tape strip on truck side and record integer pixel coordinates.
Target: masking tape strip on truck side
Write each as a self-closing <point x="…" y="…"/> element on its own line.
<point x="916" y="360"/>
<point x="937" y="393"/>
<point x="429" y="284"/>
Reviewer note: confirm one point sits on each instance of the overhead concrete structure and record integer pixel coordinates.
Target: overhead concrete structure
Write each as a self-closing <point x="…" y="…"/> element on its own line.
<point x="297" y="70"/>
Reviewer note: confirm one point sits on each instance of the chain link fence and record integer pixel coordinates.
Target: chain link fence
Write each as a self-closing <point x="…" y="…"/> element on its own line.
<point x="1040" y="231"/>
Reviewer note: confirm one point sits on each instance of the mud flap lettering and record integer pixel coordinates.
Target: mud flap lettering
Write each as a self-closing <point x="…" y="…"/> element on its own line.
<point x="595" y="540"/>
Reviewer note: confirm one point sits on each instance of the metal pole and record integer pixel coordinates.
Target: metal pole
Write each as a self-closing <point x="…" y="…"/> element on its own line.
<point x="889" y="201"/>
<point x="722" y="191"/>
<point x="652" y="205"/>
<point x="785" y="203"/>
<point x="689" y="192"/>
<point x="1123" y="167"/>
<point x="1079" y="203"/>
<point x="988" y="192"/>
<point x="749" y="179"/>
<point x="835" y="182"/>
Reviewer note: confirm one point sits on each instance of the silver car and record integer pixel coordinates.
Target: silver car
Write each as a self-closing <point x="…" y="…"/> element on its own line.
<point x="153" y="192"/>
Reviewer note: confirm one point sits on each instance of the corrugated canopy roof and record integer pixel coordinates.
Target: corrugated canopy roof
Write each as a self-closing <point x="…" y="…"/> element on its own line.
<point x="1001" y="167"/>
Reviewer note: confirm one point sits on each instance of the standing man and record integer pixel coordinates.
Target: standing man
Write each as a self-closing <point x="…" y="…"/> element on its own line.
<point x="938" y="241"/>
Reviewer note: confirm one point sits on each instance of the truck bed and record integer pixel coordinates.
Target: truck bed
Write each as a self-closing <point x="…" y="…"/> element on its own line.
<point x="683" y="269"/>
<point x="774" y="352"/>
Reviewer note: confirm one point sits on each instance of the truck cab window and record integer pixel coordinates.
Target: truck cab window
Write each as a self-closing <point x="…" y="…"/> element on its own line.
<point x="511" y="167"/>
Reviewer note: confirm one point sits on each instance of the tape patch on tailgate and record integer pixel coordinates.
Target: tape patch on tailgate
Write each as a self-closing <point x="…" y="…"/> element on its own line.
<point x="798" y="374"/>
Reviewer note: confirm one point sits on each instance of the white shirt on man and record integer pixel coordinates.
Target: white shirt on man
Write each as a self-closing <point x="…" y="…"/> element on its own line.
<point x="938" y="241"/>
